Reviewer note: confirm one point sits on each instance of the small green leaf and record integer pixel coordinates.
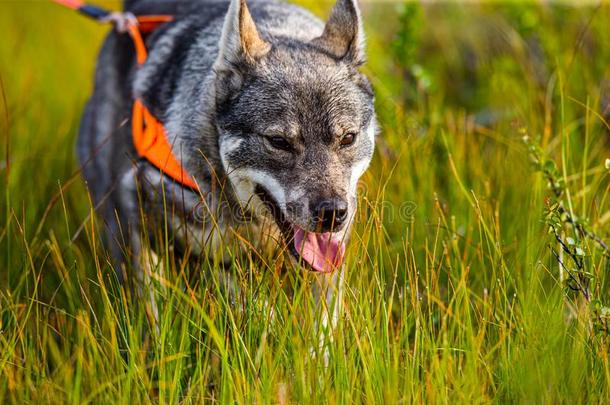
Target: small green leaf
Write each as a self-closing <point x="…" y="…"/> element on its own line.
<point x="550" y="166"/>
<point x="596" y="304"/>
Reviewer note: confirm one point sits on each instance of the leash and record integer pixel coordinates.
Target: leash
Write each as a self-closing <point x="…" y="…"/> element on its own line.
<point x="149" y="135"/>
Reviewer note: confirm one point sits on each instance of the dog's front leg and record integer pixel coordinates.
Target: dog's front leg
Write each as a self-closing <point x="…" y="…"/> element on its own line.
<point x="145" y="263"/>
<point x="150" y="268"/>
<point x="328" y="294"/>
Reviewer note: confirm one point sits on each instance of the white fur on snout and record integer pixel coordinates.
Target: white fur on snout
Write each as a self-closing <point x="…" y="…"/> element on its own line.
<point x="244" y="179"/>
<point x="269" y="183"/>
<point x="243" y="188"/>
<point x="297" y="194"/>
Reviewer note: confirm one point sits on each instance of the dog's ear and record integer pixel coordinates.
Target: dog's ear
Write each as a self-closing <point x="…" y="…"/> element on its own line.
<point x="240" y="47"/>
<point x="240" y="41"/>
<point x="343" y="35"/>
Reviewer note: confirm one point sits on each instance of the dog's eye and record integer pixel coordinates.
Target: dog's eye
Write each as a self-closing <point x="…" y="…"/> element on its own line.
<point x="279" y="143"/>
<point x="348" y="139"/>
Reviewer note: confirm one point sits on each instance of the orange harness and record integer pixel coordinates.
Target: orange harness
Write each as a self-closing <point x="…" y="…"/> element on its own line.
<point x="149" y="136"/>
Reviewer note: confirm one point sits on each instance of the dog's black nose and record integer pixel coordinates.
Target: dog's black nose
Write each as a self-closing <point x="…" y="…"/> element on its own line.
<point x="329" y="214"/>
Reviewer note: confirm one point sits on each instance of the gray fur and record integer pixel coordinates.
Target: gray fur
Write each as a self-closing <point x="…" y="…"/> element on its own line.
<point x="219" y="109"/>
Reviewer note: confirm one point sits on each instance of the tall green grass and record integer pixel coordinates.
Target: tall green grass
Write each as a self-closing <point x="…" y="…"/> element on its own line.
<point x="453" y="294"/>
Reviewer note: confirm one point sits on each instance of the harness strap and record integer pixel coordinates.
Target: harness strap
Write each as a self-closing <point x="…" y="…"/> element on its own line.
<point x="149" y="136"/>
<point x="89" y="10"/>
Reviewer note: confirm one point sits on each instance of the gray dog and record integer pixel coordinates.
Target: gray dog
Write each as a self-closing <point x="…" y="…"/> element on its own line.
<point x="265" y="108"/>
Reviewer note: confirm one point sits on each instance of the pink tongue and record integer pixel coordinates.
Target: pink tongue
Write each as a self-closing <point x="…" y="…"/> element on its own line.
<point x="320" y="250"/>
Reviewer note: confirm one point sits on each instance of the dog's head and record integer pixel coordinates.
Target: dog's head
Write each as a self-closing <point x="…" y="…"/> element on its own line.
<point x="296" y="127"/>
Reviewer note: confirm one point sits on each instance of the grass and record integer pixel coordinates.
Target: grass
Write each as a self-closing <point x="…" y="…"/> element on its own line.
<point x="453" y="292"/>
